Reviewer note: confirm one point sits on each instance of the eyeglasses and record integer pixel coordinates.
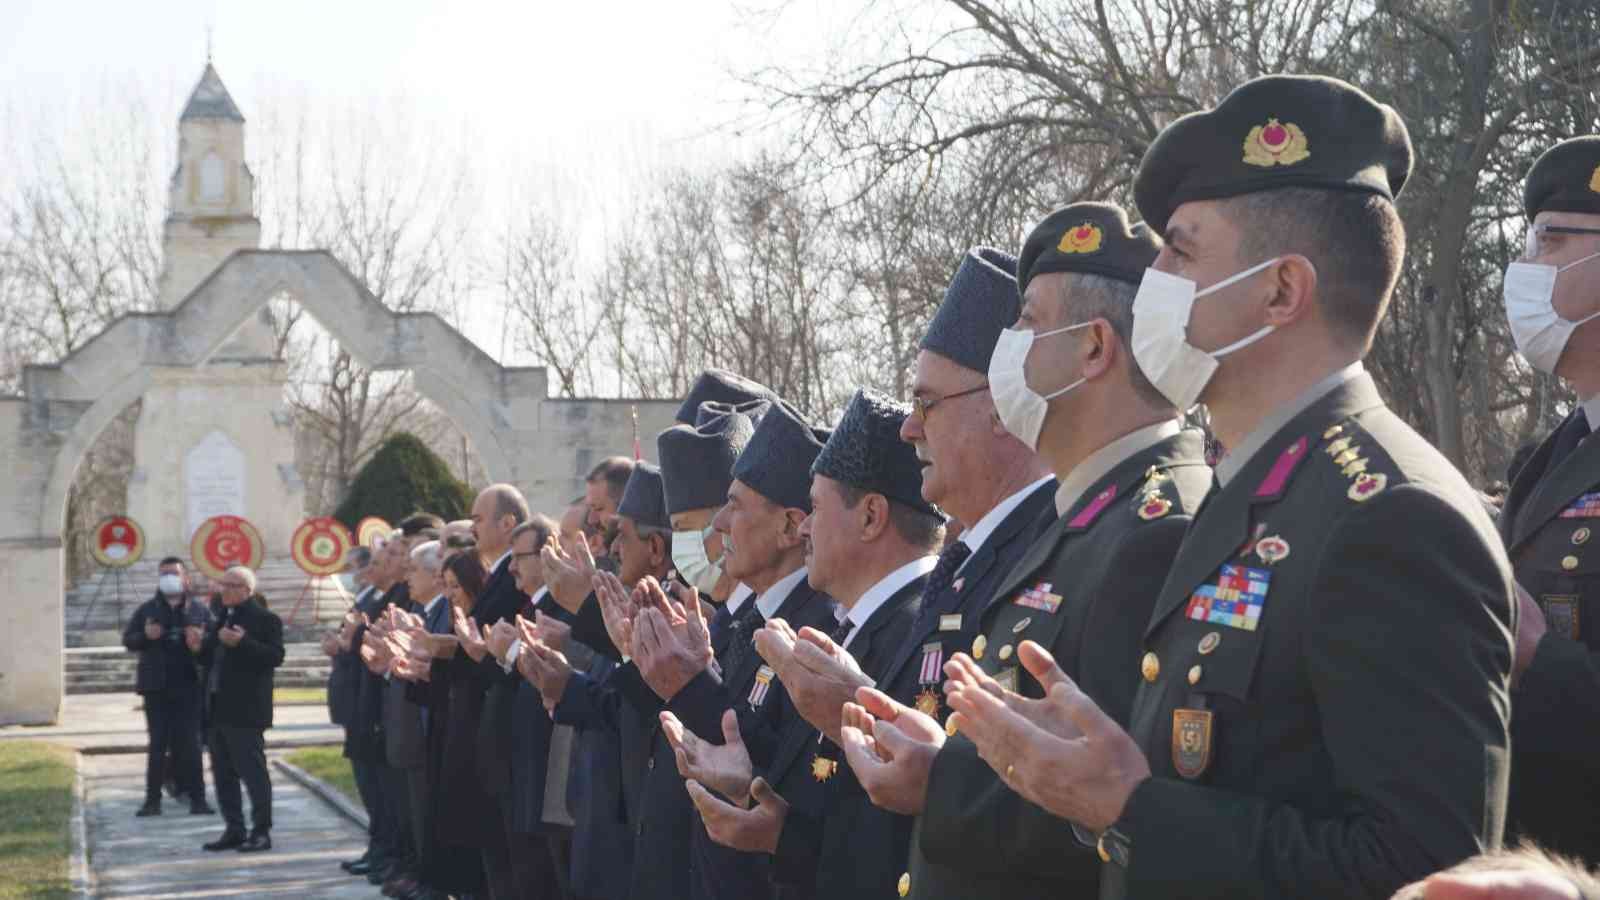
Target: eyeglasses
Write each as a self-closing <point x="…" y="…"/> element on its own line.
<point x="921" y="405"/>
<point x="1535" y="243"/>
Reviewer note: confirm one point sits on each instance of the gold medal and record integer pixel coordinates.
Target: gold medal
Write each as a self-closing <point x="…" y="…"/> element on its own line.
<point x="822" y="768"/>
<point x="928" y="703"/>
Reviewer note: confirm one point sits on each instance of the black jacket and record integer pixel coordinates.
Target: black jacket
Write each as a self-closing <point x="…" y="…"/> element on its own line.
<point x="1548" y="524"/>
<point x="833" y="835"/>
<point x="1105" y="562"/>
<point x="1346" y="731"/>
<point x="165" y="662"/>
<point x="344" y="671"/>
<point x="239" y="678"/>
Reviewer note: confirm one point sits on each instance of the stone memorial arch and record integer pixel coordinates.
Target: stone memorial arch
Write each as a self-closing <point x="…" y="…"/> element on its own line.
<point x="543" y="445"/>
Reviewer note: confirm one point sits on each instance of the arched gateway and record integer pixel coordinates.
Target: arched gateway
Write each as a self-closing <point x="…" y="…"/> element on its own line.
<point x="543" y="445"/>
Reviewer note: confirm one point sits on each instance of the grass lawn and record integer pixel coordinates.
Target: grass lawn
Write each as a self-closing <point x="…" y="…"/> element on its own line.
<point x="328" y="764"/>
<point x="36" y="796"/>
<point x="299" y="696"/>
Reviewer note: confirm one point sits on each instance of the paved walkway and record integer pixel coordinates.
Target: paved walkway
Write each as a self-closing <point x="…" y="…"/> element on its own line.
<point x="106" y="723"/>
<point x="161" y="857"/>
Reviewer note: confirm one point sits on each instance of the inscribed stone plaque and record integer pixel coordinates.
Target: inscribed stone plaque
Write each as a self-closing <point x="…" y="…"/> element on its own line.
<point x="213" y="473"/>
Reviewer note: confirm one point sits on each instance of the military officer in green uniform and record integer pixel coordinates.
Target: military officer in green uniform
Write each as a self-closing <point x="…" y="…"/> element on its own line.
<point x="1553" y="509"/>
<point x="1065" y="383"/>
<point x="1324" y="684"/>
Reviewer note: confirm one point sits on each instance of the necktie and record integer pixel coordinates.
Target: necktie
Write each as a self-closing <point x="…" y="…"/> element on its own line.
<point x="741" y="631"/>
<point x="944" y="572"/>
<point x="841" y="631"/>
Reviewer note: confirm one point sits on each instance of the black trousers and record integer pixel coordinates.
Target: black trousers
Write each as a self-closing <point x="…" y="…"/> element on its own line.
<point x="397" y="805"/>
<point x="419" y="801"/>
<point x="172" y="721"/>
<point x="369" y="784"/>
<point x="240" y="754"/>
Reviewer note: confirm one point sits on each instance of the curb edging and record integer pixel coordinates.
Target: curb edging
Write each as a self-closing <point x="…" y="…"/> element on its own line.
<point x="322" y="790"/>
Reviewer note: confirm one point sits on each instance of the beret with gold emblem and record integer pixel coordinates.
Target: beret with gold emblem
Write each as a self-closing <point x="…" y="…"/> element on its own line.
<point x="1566" y="178"/>
<point x="1091" y="238"/>
<point x="1278" y="131"/>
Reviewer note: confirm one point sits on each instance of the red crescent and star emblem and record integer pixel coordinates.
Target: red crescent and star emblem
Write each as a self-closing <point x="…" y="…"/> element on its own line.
<point x="222" y="542"/>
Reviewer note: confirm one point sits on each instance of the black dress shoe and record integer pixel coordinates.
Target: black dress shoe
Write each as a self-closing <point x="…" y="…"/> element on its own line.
<point x="201" y="809"/>
<point x="361" y="867"/>
<point x="360" y="860"/>
<point x="228" y="841"/>
<point x="256" y="843"/>
<point x="149" y="809"/>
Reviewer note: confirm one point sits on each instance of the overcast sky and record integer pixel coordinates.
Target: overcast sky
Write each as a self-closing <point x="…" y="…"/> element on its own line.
<point x="586" y="96"/>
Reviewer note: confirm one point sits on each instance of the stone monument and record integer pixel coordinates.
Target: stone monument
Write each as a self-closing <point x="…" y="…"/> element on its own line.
<point x="217" y="438"/>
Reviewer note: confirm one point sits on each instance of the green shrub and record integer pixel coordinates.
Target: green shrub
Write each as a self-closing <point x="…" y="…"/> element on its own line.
<point x="402" y="478"/>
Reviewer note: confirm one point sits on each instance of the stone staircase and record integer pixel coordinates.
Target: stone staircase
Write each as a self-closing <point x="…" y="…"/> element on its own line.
<point x="96" y="610"/>
<point x="104" y="670"/>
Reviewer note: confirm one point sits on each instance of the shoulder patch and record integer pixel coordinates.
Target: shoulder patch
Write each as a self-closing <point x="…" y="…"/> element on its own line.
<point x="1351" y="450"/>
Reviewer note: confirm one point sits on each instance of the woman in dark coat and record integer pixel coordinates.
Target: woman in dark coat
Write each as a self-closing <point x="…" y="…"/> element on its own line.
<point x="454" y="696"/>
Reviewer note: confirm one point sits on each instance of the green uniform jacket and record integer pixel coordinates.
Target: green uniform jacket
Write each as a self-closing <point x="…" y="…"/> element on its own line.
<point x="1550" y="520"/>
<point x="1100" y="566"/>
<point x="1326" y="709"/>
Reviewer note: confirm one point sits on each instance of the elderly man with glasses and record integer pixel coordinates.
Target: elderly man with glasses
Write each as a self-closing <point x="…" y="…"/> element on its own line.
<point x="240" y="649"/>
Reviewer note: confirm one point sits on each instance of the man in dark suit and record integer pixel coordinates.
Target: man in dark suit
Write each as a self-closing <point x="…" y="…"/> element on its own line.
<point x="168" y="681"/>
<point x="767" y="500"/>
<point x="870" y="537"/>
<point x="497" y="511"/>
<point x="1551" y="511"/>
<point x="244" y="645"/>
<point x="344" y="684"/>
<point x="1084" y="587"/>
<point x="1323" y="698"/>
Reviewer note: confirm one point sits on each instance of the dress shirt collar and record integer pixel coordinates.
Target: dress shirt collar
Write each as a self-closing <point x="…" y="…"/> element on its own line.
<point x="1099" y="463"/>
<point x="879" y="594"/>
<point x="975" y="536"/>
<point x="1236" y="457"/>
<point x="773" y="597"/>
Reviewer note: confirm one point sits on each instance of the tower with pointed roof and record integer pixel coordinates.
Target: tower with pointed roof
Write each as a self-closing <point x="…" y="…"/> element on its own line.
<point x="218" y="438"/>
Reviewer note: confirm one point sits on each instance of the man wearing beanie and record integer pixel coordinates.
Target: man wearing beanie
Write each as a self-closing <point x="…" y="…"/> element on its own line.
<point x="871" y="538"/>
<point x="1550" y="300"/>
<point x="1322" y="704"/>
<point x="741" y="704"/>
<point x="1131" y="479"/>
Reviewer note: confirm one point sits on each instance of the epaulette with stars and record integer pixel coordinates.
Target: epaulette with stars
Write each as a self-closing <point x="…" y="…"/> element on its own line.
<point x="1342" y="446"/>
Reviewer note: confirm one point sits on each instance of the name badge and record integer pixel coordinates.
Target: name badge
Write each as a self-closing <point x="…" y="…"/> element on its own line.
<point x="951" y="622"/>
<point x="1561" y="612"/>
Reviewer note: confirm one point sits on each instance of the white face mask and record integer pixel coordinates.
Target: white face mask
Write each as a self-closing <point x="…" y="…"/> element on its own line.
<point x="171" y="585"/>
<point x="1540" y="332"/>
<point x="1177" y="368"/>
<point x="689" y="557"/>
<point x="1021" y="408"/>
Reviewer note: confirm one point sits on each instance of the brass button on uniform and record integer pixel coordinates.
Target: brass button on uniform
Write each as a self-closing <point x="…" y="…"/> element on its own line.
<point x="1005" y="652"/>
<point x="904" y="887"/>
<point x="1569" y="563"/>
<point x="651" y="764"/>
<point x="1100" y="848"/>
<point x="1210" y="642"/>
<point x="1194" y="675"/>
<point x="1580" y="537"/>
<point x="1150" y="667"/>
<point x="978" y="647"/>
<point x="950" y="725"/>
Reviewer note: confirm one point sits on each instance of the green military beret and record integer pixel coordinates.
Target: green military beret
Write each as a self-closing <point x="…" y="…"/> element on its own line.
<point x="1094" y="238"/>
<point x="1272" y="132"/>
<point x="1565" y="179"/>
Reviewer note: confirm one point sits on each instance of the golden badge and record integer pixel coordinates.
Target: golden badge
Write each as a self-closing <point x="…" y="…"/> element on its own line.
<point x="928" y="703"/>
<point x="822" y="768"/>
<point x="1366" y="486"/>
<point x="1154" y="506"/>
<point x="1191" y="741"/>
<point x="1276" y="144"/>
<point x="1085" y="238"/>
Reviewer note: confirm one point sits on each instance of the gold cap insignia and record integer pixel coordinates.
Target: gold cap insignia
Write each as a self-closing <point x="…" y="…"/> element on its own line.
<point x="1275" y="144"/>
<point x="1083" y="238"/>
